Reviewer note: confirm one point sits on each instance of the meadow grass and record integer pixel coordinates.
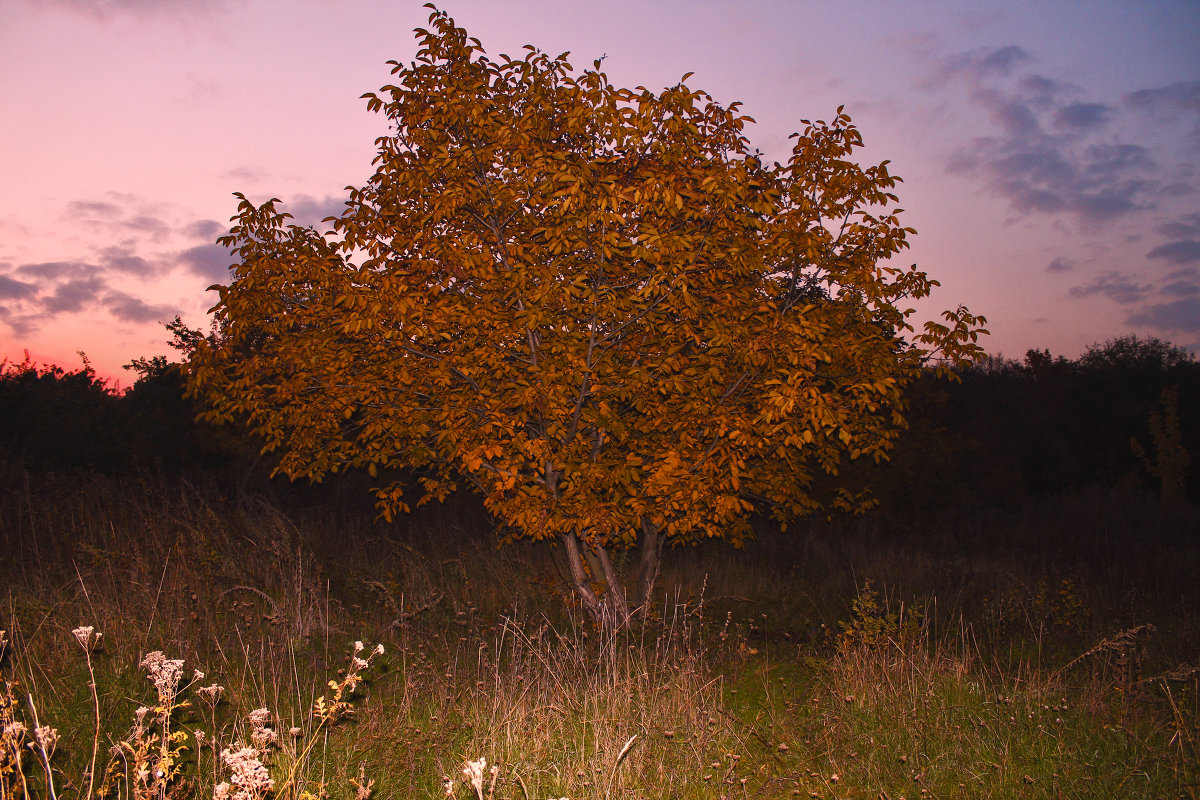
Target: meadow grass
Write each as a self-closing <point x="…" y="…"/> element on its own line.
<point x="1050" y="652"/>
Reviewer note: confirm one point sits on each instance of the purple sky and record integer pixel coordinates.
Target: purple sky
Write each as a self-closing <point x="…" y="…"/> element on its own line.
<point x="1050" y="151"/>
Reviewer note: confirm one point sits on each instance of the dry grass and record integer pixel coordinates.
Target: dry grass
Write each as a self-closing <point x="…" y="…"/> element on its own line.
<point x="846" y="663"/>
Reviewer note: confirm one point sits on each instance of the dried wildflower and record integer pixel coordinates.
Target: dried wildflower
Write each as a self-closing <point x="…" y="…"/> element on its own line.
<point x="250" y="779"/>
<point x="448" y="785"/>
<point x="294" y="732"/>
<point x="197" y="676"/>
<point x="199" y="734"/>
<point x="377" y="651"/>
<point x="46" y="738"/>
<point x="165" y="672"/>
<point x="358" y="647"/>
<point x="87" y="637"/>
<point x="473" y="773"/>
<point x="210" y="694"/>
<point x="263" y="738"/>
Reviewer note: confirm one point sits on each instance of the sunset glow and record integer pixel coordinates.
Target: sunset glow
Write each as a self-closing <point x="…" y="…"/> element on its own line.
<point x="1049" y="153"/>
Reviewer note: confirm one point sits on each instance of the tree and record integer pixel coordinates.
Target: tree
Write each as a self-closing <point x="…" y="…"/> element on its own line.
<point x="596" y="306"/>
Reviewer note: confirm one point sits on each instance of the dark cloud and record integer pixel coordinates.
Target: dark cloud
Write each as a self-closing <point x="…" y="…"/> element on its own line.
<point x="245" y="175"/>
<point x="1185" y="227"/>
<point x="1170" y="102"/>
<point x="982" y="63"/>
<point x="131" y="309"/>
<point x="144" y="223"/>
<point x="1037" y="175"/>
<point x="73" y="295"/>
<point x="209" y="261"/>
<point x="1040" y="158"/>
<point x="1060" y="265"/>
<point x="53" y="270"/>
<point x="1117" y="159"/>
<point x="13" y="289"/>
<point x="1178" y="189"/>
<point x="310" y="211"/>
<point x="1178" y="315"/>
<point x="89" y="208"/>
<point x="1042" y="91"/>
<point x="1181" y="288"/>
<point x="110" y="9"/>
<point x="21" y="324"/>
<point x="1181" y="252"/>
<point x="121" y="260"/>
<point x="206" y="229"/>
<point x="1082" y="116"/>
<point x="1115" y="286"/>
<point x="1014" y="116"/>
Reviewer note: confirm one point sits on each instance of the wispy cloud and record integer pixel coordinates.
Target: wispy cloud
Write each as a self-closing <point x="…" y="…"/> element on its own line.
<point x="128" y="308"/>
<point x="73" y="295"/>
<point x="208" y="261"/>
<point x="310" y="211"/>
<point x="1174" y="102"/>
<point x="206" y="229"/>
<point x="103" y="10"/>
<point x="1179" y="315"/>
<point x="1051" y="151"/>
<point x="1116" y="286"/>
<point x="1185" y="251"/>
<point x="13" y="289"/>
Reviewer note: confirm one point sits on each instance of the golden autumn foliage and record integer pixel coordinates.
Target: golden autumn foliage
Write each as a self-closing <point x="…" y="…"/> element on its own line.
<point x="595" y="305"/>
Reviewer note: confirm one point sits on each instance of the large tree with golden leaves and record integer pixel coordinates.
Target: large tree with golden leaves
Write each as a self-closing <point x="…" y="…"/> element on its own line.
<point x="597" y="306"/>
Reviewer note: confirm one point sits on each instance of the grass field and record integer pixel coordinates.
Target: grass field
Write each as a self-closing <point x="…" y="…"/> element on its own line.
<point x="1048" y="651"/>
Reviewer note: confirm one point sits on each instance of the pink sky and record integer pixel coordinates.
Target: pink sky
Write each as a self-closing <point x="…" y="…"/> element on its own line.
<point x="1050" y="150"/>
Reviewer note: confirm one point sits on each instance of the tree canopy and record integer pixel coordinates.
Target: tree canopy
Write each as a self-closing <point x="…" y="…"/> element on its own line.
<point x="597" y="306"/>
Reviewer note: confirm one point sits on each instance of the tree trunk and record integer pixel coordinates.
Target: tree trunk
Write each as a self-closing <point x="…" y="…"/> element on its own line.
<point x="612" y="606"/>
<point x="651" y="547"/>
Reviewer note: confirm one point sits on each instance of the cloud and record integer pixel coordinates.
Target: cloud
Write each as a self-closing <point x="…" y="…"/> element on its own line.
<point x="1185" y="227"/>
<point x="1181" y="288"/>
<point x="145" y="223"/>
<point x="1179" y="315"/>
<point x="13" y="289"/>
<point x="1082" y="116"/>
<point x="1042" y="91"/>
<point x="1169" y="102"/>
<point x="132" y="309"/>
<point x="980" y="64"/>
<point x="1115" y="286"/>
<point x="309" y="211"/>
<point x="1181" y="252"/>
<point x="109" y="9"/>
<point x="73" y="295"/>
<point x="246" y="175"/>
<point x="52" y="270"/>
<point x="206" y="229"/>
<point x="1041" y="156"/>
<point x="1060" y="265"/>
<point x="121" y="260"/>
<point x="93" y="208"/>
<point x="209" y="261"/>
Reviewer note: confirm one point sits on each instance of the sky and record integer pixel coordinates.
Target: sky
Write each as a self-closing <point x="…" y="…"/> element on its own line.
<point x="1050" y="151"/>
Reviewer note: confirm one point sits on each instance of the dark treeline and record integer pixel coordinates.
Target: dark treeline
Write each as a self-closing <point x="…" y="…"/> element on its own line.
<point x="1123" y="415"/>
<point x="1007" y="432"/>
